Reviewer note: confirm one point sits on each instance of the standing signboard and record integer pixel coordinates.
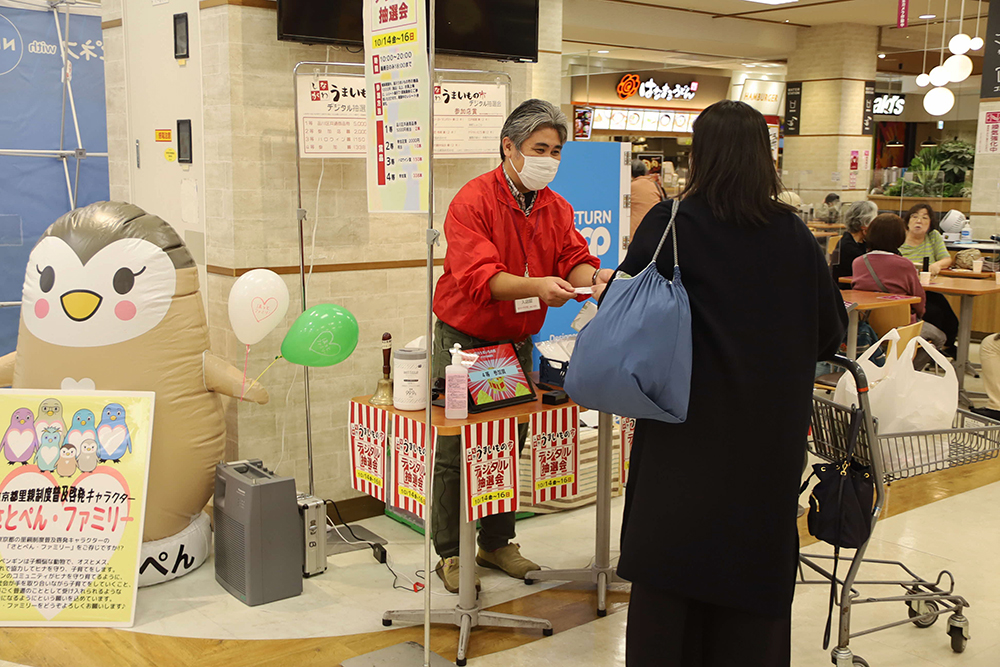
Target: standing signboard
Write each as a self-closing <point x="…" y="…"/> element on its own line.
<point x="333" y="120"/>
<point x="72" y="510"/>
<point x="793" y="107"/>
<point x="396" y="71"/>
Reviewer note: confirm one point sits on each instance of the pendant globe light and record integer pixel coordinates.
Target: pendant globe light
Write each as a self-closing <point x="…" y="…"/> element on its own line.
<point x="923" y="80"/>
<point x="958" y="68"/>
<point x="939" y="100"/>
<point x="977" y="42"/>
<point x="960" y="43"/>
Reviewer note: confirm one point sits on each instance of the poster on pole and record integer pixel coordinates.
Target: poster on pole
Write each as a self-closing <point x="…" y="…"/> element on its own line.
<point x="468" y="118"/>
<point x="409" y="463"/>
<point x="366" y="430"/>
<point x="490" y="483"/>
<point x="555" y="454"/>
<point x="397" y="79"/>
<point x="627" y="426"/>
<point x="72" y="506"/>
<point x="333" y="115"/>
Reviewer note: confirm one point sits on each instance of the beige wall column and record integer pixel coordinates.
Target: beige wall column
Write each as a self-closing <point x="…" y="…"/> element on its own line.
<point x="833" y="62"/>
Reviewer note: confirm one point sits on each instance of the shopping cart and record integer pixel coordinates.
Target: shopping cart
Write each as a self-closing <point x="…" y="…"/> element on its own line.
<point x="895" y="456"/>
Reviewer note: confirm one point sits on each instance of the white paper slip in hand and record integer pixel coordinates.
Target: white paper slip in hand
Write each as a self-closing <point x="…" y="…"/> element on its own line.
<point x="584" y="290"/>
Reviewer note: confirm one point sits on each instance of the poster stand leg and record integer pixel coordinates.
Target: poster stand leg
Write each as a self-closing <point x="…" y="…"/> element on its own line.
<point x="467" y="614"/>
<point x="600" y="573"/>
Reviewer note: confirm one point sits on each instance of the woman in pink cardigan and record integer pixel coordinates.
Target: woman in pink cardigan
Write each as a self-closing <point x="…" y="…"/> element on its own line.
<point x="883" y="269"/>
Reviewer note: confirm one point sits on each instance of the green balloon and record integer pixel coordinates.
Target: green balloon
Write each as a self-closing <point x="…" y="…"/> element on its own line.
<point x="324" y="335"/>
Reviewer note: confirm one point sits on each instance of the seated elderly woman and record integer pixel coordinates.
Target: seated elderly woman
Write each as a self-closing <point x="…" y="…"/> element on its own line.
<point x="852" y="245"/>
<point x="883" y="269"/>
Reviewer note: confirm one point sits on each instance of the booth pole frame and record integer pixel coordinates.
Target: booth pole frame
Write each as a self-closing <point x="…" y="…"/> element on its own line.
<point x="80" y="153"/>
<point x="601" y="572"/>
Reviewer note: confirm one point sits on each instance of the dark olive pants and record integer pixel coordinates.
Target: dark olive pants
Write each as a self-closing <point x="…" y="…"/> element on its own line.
<point x="446" y="518"/>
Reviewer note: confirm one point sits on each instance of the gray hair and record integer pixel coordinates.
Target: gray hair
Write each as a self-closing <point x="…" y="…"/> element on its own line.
<point x="860" y="215"/>
<point x="639" y="168"/>
<point x="533" y="115"/>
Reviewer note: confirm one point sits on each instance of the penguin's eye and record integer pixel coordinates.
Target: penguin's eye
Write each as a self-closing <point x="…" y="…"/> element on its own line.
<point x="124" y="279"/>
<point x="47" y="278"/>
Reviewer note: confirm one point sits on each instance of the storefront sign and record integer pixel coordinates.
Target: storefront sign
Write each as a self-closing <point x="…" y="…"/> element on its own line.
<point x="490" y="482"/>
<point x="555" y="447"/>
<point x="366" y="431"/>
<point x="71" y="514"/>
<point x="991" y="58"/>
<point x="631" y="84"/>
<point x="397" y="81"/>
<point x="793" y="107"/>
<point x="764" y="96"/>
<point x="903" y="14"/>
<point x="468" y="118"/>
<point x="988" y="133"/>
<point x="332" y="112"/>
<point x="409" y="460"/>
<point x="868" y="115"/>
<point x="888" y="105"/>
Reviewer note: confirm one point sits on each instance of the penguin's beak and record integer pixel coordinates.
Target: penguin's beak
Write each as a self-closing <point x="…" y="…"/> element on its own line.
<point x="50" y="413"/>
<point x="22" y="421"/>
<point x="113" y="417"/>
<point x="81" y="305"/>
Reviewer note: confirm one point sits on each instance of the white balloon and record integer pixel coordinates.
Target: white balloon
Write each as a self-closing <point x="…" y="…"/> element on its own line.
<point x="939" y="76"/>
<point x="923" y="80"/>
<point x="959" y="68"/>
<point x="939" y="101"/>
<point x="257" y="304"/>
<point x="976" y="43"/>
<point x="959" y="44"/>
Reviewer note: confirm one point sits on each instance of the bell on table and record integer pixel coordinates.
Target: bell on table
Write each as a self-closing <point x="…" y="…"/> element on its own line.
<point x="383" y="392"/>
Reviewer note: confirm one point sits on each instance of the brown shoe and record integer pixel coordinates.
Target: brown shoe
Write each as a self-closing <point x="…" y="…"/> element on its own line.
<point x="508" y="559"/>
<point x="447" y="569"/>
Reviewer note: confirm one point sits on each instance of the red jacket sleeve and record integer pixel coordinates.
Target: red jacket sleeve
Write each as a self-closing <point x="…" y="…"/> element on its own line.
<point x="472" y="257"/>
<point x="575" y="251"/>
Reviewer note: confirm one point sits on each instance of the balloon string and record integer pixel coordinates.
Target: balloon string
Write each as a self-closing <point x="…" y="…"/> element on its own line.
<point x="264" y="371"/>
<point x="245" y="363"/>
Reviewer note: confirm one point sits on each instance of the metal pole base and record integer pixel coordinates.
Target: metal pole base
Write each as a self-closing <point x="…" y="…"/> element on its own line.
<point x="601" y="576"/>
<point x="466" y="614"/>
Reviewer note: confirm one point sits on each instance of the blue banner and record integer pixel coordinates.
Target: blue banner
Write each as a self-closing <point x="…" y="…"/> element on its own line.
<point x="590" y="176"/>
<point x="33" y="190"/>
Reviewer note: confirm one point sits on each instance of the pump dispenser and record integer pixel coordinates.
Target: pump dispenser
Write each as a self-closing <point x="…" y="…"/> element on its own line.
<point x="456" y="383"/>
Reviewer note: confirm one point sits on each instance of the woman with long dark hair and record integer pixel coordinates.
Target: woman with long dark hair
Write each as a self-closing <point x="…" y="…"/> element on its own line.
<point x="709" y="538"/>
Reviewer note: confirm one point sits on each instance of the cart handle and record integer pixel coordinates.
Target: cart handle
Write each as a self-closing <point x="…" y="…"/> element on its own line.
<point x="860" y="380"/>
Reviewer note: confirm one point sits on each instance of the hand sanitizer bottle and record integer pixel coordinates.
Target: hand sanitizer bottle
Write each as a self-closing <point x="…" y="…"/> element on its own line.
<point x="967" y="233"/>
<point x="456" y="386"/>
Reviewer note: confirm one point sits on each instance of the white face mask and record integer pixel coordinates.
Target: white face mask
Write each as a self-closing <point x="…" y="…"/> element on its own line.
<point x="537" y="172"/>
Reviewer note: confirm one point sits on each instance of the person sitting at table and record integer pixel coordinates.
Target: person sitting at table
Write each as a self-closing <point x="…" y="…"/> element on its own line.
<point x="923" y="240"/>
<point x="882" y="269"/>
<point x="852" y="244"/>
<point x="829" y="210"/>
<point x="989" y="356"/>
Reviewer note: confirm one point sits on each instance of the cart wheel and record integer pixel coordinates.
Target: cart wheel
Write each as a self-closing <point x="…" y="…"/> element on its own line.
<point x="958" y="640"/>
<point x="386" y="622"/>
<point x="860" y="662"/>
<point x="931" y="607"/>
<point x="529" y="582"/>
<point x="547" y="631"/>
<point x="460" y="662"/>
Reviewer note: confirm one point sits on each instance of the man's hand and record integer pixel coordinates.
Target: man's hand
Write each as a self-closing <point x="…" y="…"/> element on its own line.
<point x="554" y="292"/>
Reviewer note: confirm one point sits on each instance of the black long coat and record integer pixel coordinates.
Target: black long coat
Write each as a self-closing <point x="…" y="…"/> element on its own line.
<point x="711" y="503"/>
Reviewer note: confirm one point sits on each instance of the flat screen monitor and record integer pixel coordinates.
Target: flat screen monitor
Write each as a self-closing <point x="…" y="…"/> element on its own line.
<point x="495" y="29"/>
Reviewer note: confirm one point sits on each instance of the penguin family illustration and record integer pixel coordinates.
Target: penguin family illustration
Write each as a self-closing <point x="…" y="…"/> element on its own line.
<point x="87" y="459"/>
<point x="66" y="466"/>
<point x="82" y="428"/>
<point x="113" y="438"/>
<point x="50" y="414"/>
<point x="20" y="441"/>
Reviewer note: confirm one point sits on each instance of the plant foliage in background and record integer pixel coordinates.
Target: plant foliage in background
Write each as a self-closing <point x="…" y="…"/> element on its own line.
<point x="937" y="171"/>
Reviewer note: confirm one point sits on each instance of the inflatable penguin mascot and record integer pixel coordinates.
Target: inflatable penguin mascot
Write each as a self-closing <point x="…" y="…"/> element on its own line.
<point x="111" y="302"/>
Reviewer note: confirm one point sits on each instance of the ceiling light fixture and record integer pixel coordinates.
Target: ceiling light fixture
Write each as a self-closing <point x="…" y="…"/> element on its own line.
<point x="894" y="143"/>
<point x="927" y="16"/>
<point x="604" y="51"/>
<point x="923" y="80"/>
<point x="960" y="43"/>
<point x="881" y="56"/>
<point x="977" y="42"/>
<point x="939" y="100"/>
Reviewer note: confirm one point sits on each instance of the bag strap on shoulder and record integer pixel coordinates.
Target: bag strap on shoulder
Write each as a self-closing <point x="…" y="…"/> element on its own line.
<point x="878" y="283"/>
<point x="670" y="226"/>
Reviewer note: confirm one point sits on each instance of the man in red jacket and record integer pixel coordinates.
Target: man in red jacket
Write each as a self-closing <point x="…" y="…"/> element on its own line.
<point x="513" y="252"/>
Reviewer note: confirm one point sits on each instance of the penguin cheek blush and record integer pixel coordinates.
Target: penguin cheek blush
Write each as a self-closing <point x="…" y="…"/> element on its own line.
<point x="41" y="308"/>
<point x="125" y="310"/>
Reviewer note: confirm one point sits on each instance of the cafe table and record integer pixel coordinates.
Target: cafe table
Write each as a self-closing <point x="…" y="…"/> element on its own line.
<point x="862" y="302"/>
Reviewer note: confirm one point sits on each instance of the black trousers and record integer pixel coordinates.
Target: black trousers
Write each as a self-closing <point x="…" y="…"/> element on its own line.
<point x="940" y="314"/>
<point x="669" y="631"/>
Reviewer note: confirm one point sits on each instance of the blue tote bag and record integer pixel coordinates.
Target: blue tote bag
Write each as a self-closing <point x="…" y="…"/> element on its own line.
<point x="634" y="358"/>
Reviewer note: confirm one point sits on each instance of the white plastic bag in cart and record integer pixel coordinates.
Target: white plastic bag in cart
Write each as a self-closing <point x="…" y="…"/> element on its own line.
<point x="846" y="392"/>
<point x="923" y="401"/>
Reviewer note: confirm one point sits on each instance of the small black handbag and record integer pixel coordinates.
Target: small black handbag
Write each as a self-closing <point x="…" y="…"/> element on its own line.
<point x="840" y="506"/>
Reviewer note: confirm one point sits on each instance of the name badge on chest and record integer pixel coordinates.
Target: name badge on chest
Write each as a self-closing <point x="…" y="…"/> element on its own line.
<point x="527" y="305"/>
